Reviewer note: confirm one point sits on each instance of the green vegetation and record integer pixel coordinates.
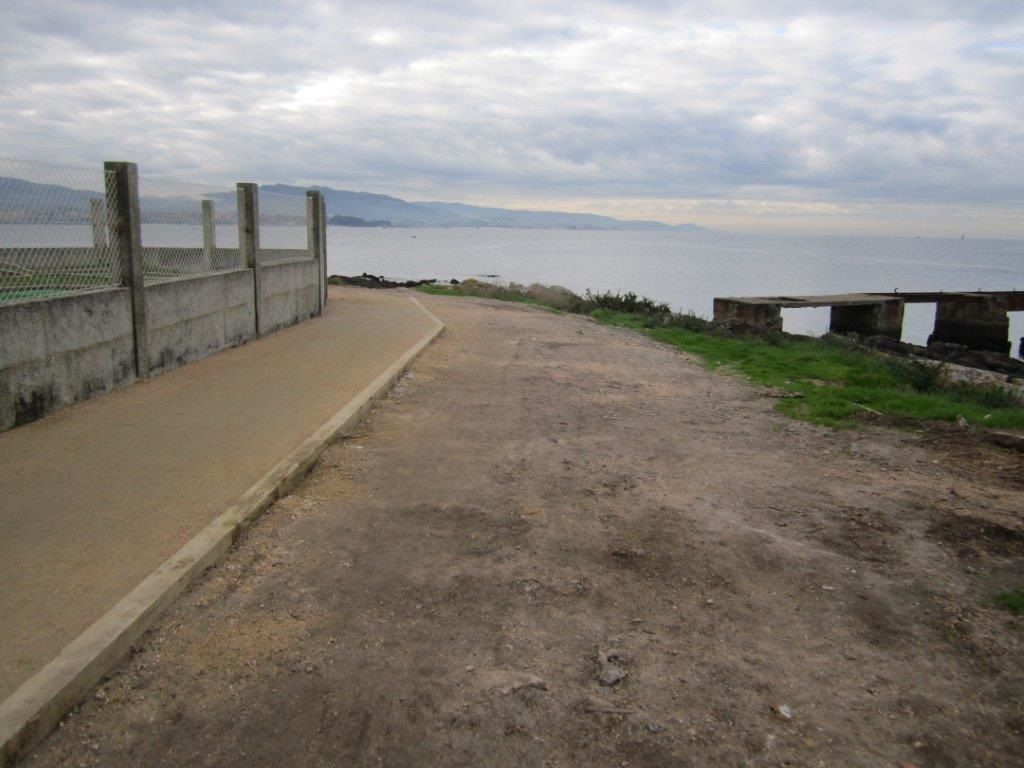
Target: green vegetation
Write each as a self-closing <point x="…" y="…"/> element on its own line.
<point x="1011" y="599"/>
<point x="495" y="292"/>
<point x="830" y="381"/>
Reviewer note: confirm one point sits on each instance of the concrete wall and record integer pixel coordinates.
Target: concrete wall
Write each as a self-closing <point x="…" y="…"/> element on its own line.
<point x="188" y="318"/>
<point x="60" y="351"/>
<point x="291" y="294"/>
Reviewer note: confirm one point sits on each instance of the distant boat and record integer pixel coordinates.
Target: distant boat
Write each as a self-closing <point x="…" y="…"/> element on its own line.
<point x="963" y="236"/>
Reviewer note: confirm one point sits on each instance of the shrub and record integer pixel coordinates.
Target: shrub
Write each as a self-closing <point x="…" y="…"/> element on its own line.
<point x="921" y="376"/>
<point x="627" y="302"/>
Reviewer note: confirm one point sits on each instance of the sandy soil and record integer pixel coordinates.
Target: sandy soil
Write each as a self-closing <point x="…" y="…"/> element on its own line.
<point x="544" y="504"/>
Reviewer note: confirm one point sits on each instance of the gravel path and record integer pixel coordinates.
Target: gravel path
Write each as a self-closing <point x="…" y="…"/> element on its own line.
<point x="544" y="506"/>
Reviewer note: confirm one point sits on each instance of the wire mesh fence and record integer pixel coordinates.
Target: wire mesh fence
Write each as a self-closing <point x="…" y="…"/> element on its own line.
<point x="53" y="230"/>
<point x="187" y="229"/>
<point x="282" y="222"/>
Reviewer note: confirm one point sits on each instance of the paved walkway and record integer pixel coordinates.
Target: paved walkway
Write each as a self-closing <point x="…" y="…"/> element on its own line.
<point x="98" y="495"/>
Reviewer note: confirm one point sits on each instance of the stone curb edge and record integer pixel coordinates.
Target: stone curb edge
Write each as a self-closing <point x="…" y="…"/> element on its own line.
<point x="29" y="714"/>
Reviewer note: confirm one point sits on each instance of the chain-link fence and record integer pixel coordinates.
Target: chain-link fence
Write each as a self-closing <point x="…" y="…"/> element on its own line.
<point x="187" y="229"/>
<point x="53" y="230"/>
<point x="283" y="230"/>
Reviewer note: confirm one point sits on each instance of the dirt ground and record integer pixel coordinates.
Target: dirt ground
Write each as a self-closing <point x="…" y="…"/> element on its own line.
<point x="543" y="507"/>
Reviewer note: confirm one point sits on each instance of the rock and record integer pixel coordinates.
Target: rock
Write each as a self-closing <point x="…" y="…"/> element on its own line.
<point x="507" y="681"/>
<point x="373" y="281"/>
<point x="611" y="673"/>
<point x="780" y="394"/>
<point x="784" y="711"/>
<point x="655" y="727"/>
<point x="1007" y="440"/>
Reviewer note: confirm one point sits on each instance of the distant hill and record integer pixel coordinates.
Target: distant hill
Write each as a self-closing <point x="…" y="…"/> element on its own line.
<point x="29" y="202"/>
<point x="355" y="221"/>
<point x="401" y="213"/>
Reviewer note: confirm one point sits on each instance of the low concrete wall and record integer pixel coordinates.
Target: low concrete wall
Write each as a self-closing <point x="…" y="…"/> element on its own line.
<point x="188" y="318"/>
<point x="59" y="351"/>
<point x="291" y="294"/>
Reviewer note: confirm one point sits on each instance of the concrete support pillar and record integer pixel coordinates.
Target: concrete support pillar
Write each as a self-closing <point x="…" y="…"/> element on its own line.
<point x="767" y="316"/>
<point x="883" y="318"/>
<point x="976" y="322"/>
<point x="315" y="240"/>
<point x="98" y="214"/>
<point x="126" y="239"/>
<point x="249" y="242"/>
<point x="209" y="235"/>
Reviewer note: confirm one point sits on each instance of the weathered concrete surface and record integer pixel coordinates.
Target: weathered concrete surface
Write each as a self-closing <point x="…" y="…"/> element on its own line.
<point x="290" y="294"/>
<point x="977" y="322"/>
<point x="759" y="314"/>
<point x="880" y="318"/>
<point x="191" y="317"/>
<point x="62" y="351"/>
<point x="541" y="488"/>
<point x="98" y="495"/>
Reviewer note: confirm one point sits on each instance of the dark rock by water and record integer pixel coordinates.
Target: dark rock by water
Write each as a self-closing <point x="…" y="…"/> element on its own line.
<point x="366" y="280"/>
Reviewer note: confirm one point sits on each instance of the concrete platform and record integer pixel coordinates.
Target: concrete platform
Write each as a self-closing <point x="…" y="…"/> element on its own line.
<point x="975" y="319"/>
<point x="98" y="496"/>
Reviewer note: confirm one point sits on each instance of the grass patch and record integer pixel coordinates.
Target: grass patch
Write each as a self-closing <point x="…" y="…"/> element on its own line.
<point x="1011" y="600"/>
<point x="495" y="292"/>
<point x="834" y="381"/>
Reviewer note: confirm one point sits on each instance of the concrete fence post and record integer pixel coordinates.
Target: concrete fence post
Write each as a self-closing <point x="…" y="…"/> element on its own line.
<point x="126" y="239"/>
<point x="315" y="241"/>
<point x="98" y="214"/>
<point x="249" y="242"/>
<point x="209" y="235"/>
<point x="323" y="248"/>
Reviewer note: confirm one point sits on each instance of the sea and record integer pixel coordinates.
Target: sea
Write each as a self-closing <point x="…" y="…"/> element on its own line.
<point x="689" y="269"/>
<point x="686" y="269"/>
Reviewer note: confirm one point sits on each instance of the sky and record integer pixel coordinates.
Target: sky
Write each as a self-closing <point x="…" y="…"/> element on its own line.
<point x="869" y="117"/>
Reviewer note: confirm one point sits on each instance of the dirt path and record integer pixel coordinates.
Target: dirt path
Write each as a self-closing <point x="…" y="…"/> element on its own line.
<point x="540" y="489"/>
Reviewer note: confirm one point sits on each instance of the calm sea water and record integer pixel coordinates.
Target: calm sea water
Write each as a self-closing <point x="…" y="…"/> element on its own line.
<point x="689" y="269"/>
<point x="685" y="269"/>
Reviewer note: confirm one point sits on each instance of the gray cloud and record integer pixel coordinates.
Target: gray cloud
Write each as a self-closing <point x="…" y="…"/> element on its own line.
<point x="853" y="103"/>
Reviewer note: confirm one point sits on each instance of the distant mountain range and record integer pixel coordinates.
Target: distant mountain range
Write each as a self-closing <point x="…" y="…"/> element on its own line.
<point x="381" y="210"/>
<point x="25" y="202"/>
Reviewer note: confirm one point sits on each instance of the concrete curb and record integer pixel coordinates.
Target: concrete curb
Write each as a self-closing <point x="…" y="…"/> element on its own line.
<point x="32" y="711"/>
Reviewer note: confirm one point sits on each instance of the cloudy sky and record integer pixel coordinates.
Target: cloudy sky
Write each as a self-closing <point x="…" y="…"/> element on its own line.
<point x="887" y="116"/>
